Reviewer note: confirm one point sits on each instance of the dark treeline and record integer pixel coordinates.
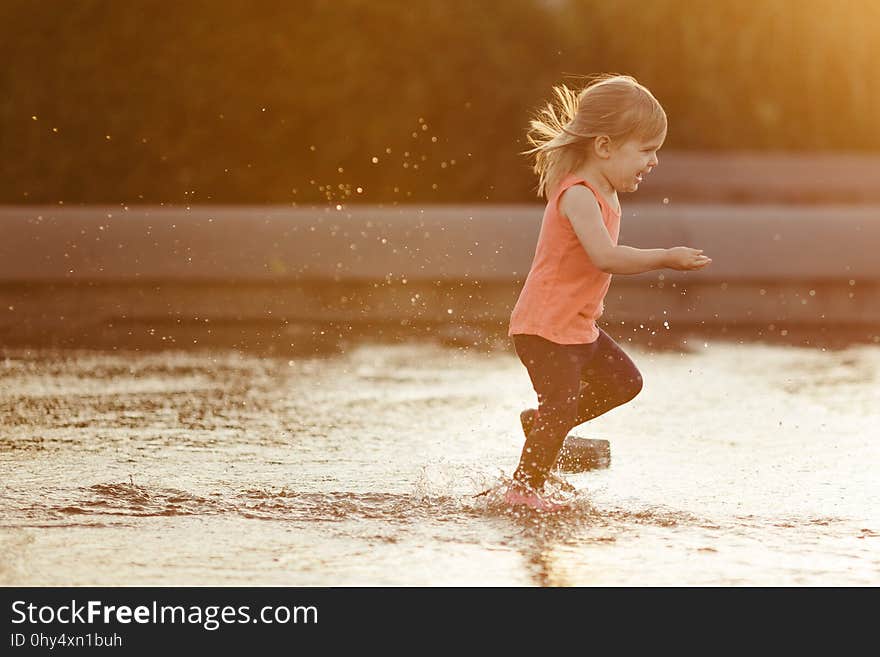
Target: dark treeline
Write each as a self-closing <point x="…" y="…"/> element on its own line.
<point x="315" y="101"/>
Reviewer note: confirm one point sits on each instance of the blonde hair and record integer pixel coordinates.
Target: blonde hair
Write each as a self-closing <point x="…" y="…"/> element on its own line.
<point x="613" y="105"/>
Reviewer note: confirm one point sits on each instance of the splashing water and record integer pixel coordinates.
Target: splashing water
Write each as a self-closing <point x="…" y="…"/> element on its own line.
<point x="740" y="464"/>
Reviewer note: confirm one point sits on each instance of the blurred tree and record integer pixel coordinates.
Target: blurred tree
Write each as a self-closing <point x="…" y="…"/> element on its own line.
<point x="316" y="101"/>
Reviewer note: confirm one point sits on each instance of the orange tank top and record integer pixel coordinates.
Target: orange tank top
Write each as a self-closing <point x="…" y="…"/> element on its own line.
<point x="564" y="292"/>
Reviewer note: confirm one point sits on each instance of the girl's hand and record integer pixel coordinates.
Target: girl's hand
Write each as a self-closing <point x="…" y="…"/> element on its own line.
<point x="685" y="258"/>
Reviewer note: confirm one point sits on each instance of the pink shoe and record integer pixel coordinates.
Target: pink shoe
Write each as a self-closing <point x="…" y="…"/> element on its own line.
<point x="518" y="495"/>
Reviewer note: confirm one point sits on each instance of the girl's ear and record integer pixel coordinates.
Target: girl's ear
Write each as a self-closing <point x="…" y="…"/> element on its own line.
<point x="602" y="146"/>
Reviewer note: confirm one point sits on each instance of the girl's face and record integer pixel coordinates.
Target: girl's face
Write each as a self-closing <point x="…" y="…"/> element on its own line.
<point x="630" y="161"/>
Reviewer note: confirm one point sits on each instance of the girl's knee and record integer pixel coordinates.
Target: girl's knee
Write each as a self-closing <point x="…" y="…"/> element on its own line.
<point x="636" y="383"/>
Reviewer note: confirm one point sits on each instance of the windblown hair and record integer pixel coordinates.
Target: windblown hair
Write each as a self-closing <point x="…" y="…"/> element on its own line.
<point x="562" y="135"/>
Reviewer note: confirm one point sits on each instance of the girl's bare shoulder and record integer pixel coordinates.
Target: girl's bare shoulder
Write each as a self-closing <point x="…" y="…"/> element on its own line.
<point x="579" y="200"/>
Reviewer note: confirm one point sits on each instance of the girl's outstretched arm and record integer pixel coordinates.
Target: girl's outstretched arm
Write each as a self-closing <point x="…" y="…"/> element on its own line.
<point x="580" y="206"/>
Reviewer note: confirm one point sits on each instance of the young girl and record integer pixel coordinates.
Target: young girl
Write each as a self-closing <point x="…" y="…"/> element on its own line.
<point x="603" y="140"/>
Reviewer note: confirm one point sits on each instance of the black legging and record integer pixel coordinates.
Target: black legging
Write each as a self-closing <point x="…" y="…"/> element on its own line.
<point x="556" y="371"/>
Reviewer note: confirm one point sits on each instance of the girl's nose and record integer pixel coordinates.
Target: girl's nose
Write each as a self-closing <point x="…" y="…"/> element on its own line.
<point x="654" y="161"/>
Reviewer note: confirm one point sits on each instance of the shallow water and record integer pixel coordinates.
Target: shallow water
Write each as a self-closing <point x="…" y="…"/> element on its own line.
<point x="737" y="464"/>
